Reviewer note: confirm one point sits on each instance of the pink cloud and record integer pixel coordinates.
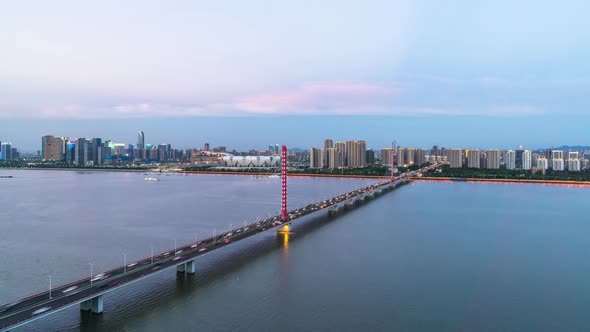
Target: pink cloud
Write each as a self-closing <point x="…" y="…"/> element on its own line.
<point x="324" y="96"/>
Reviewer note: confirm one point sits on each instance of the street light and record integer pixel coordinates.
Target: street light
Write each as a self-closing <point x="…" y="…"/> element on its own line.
<point x="152" y="249"/>
<point x="50" y="288"/>
<point x="174" y="247"/>
<point x="124" y="263"/>
<point x="90" y="274"/>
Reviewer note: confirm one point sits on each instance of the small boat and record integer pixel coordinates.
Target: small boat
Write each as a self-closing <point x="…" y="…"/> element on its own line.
<point x="5" y="176"/>
<point x="151" y="179"/>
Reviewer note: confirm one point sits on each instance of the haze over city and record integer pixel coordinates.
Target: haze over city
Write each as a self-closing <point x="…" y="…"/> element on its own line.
<point x="492" y="75"/>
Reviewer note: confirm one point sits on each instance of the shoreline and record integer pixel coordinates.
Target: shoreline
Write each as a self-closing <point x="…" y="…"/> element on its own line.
<point x="521" y="181"/>
<point x="73" y="169"/>
<point x="290" y="174"/>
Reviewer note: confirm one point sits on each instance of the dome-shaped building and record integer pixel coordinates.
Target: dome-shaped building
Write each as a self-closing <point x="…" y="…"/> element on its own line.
<point x="251" y="161"/>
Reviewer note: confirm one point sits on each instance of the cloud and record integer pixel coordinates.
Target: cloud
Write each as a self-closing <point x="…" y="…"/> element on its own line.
<point x="319" y="98"/>
<point x="324" y="98"/>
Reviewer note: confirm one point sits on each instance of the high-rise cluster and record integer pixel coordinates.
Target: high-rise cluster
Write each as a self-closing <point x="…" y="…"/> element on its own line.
<point x="8" y="152"/>
<point x="351" y="154"/>
<point x="95" y="151"/>
<point x="513" y="159"/>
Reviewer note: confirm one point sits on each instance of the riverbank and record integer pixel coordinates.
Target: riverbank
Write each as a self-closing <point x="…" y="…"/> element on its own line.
<point x="552" y="182"/>
<point x="75" y="169"/>
<point x="290" y="174"/>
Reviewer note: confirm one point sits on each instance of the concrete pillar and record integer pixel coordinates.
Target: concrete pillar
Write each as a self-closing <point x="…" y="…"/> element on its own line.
<point x="97" y="304"/>
<point x="181" y="268"/>
<point x="86" y="305"/>
<point x="284" y="228"/>
<point x="190" y="267"/>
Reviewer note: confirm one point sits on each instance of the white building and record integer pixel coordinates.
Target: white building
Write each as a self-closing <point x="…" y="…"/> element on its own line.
<point x="455" y="158"/>
<point x="542" y="163"/>
<point x="527" y="161"/>
<point x="493" y="159"/>
<point x="251" y="161"/>
<point x="573" y="165"/>
<point x="557" y="164"/>
<point x="573" y="162"/>
<point x="473" y="158"/>
<point x="510" y="160"/>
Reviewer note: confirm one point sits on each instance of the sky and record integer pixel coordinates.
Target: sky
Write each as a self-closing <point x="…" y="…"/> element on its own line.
<point x="245" y="74"/>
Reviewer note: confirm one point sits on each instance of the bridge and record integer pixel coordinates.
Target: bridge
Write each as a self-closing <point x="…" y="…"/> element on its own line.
<point x="89" y="292"/>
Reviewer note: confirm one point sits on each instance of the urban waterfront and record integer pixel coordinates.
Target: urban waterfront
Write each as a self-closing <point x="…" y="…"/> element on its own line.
<point x="429" y="257"/>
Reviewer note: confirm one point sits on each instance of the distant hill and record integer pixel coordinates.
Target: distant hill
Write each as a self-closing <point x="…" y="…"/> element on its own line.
<point x="572" y="147"/>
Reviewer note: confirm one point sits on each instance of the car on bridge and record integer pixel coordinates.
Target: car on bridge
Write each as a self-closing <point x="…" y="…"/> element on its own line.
<point x="40" y="311"/>
<point x="8" y="306"/>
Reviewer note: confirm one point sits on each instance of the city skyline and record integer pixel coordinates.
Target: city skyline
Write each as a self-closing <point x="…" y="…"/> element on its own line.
<point x="375" y="131"/>
<point x="399" y="71"/>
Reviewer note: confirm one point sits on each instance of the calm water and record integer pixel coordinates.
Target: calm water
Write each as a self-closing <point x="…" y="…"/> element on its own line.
<point x="428" y="257"/>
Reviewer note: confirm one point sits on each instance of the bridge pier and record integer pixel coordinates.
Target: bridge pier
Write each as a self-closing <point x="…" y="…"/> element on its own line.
<point x="285" y="228"/>
<point x="190" y="267"/>
<point x="95" y="305"/>
<point x="333" y="210"/>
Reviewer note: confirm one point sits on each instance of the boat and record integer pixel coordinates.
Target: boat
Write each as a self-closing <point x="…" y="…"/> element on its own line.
<point x="151" y="179"/>
<point x="5" y="176"/>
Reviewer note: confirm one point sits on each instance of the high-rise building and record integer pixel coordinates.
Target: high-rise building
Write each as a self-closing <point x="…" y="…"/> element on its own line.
<point x="6" y="152"/>
<point x="573" y="162"/>
<point x="473" y="158"/>
<point x="455" y="158"/>
<point x="386" y="156"/>
<point x="401" y="157"/>
<point x="556" y="154"/>
<point x="409" y="156"/>
<point x="557" y="162"/>
<point x="81" y="154"/>
<point x="518" y="158"/>
<point x="542" y="163"/>
<point x="341" y="152"/>
<point x="419" y="156"/>
<point x="510" y="161"/>
<point x="140" y="140"/>
<point x="361" y="147"/>
<point x="483" y="160"/>
<point x="70" y="155"/>
<point x="207" y="147"/>
<point x="435" y="151"/>
<point x="328" y="143"/>
<point x="370" y="157"/>
<point x="493" y="159"/>
<point x="316" y="159"/>
<point x="351" y="154"/>
<point x="51" y="148"/>
<point x="573" y="165"/>
<point x="95" y="143"/>
<point x="334" y="158"/>
<point x="526" y="160"/>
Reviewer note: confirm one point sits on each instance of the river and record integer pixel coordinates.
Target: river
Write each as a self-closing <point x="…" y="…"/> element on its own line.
<point x="431" y="256"/>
